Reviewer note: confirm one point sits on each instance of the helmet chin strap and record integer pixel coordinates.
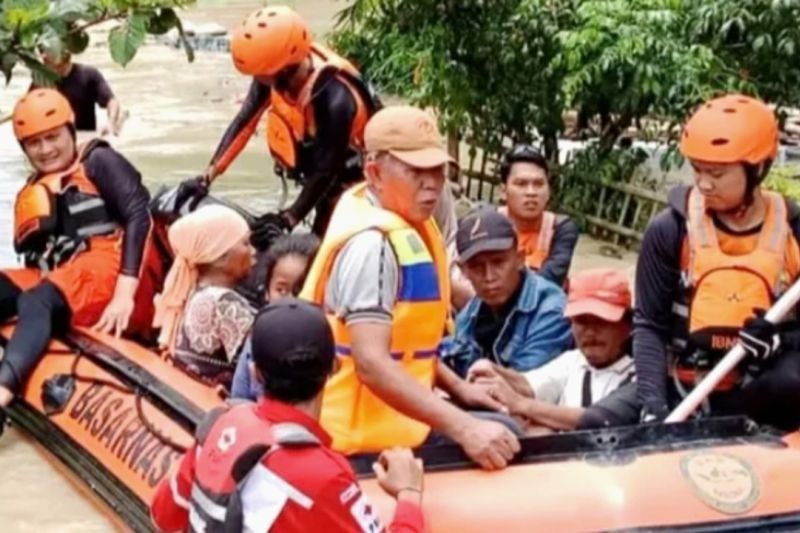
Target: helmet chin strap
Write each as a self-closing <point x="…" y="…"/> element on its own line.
<point x="754" y="174"/>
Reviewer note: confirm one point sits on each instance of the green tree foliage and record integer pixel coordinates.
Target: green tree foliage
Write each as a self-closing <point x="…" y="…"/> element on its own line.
<point x="513" y="68"/>
<point x="785" y="180"/>
<point x="27" y="26"/>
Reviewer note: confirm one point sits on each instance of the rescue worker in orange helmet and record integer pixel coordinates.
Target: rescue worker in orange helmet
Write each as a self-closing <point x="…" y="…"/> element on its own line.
<point x="382" y="276"/>
<point x="81" y="222"/>
<point x="317" y="106"/>
<point x="710" y="264"/>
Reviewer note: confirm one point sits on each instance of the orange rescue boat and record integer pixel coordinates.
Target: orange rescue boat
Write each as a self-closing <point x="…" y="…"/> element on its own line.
<point x="119" y="416"/>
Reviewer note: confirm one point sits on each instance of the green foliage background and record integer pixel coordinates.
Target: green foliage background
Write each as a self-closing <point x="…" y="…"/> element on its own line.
<point x="498" y="69"/>
<point x="27" y="26"/>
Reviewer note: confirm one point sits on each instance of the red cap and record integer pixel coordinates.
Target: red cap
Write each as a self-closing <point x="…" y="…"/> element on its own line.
<point x="602" y="292"/>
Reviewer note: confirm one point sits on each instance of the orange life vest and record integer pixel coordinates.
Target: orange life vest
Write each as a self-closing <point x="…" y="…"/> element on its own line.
<point x="290" y="122"/>
<point x="536" y="250"/>
<point x="357" y="419"/>
<point x="721" y="290"/>
<point x="55" y="213"/>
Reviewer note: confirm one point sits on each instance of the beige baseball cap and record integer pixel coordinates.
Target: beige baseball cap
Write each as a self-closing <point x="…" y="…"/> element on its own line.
<point x="409" y="134"/>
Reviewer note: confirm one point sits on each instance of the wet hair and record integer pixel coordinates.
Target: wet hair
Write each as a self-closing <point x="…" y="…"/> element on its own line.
<point x="298" y="376"/>
<point x="522" y="153"/>
<point x="303" y="245"/>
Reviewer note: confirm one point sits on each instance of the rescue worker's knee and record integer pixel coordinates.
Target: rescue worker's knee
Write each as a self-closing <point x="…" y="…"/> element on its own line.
<point x="9" y="293"/>
<point x="44" y="299"/>
<point x="42" y="311"/>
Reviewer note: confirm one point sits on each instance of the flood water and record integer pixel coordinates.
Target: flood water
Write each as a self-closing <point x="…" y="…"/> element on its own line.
<point x="178" y="112"/>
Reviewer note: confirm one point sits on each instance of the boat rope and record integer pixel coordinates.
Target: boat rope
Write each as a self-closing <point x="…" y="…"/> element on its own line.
<point x="138" y="395"/>
<point x="158" y="434"/>
<point x="93" y="380"/>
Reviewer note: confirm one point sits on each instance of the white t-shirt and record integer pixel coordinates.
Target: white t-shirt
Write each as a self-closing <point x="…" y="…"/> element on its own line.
<point x="560" y="381"/>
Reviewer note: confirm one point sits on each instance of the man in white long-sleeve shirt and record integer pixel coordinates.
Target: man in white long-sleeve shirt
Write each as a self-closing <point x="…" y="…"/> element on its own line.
<point x="562" y="393"/>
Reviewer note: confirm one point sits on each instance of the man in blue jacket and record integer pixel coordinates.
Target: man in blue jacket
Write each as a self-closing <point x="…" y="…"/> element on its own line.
<point x="516" y="319"/>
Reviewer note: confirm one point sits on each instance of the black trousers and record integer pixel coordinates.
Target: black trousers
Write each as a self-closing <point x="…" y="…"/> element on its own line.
<point x="42" y="312"/>
<point x="772" y="398"/>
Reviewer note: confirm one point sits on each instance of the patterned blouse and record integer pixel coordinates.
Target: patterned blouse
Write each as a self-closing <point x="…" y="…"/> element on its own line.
<point x="214" y="326"/>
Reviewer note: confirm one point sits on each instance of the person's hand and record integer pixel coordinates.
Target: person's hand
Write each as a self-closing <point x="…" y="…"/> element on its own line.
<point x="760" y="338"/>
<point x="482" y="368"/>
<point x="490" y="444"/>
<point x="117" y="314"/>
<point x="481" y="396"/>
<point x="267" y="228"/>
<point x="499" y="389"/>
<point x="191" y="191"/>
<point x="484" y="374"/>
<point x="398" y="471"/>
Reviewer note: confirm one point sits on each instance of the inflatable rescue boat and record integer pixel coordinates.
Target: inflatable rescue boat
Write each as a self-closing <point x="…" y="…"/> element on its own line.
<point x="119" y="416"/>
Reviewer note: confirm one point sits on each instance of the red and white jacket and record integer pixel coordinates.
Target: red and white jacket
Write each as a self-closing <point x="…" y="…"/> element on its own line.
<point x="299" y="485"/>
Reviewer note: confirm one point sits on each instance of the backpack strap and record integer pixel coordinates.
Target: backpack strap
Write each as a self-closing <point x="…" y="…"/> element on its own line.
<point x="287" y="434"/>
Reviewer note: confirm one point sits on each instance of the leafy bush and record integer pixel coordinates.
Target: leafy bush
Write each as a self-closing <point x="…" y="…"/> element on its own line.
<point x="513" y="68"/>
<point x="785" y="180"/>
<point x="26" y="26"/>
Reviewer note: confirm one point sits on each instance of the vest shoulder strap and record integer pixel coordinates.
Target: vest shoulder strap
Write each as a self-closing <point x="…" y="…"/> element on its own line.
<point x="775" y="232"/>
<point x="699" y="228"/>
<point x="332" y="64"/>
<point x="546" y="232"/>
<point x="701" y="232"/>
<point x="86" y="148"/>
<point x="292" y="434"/>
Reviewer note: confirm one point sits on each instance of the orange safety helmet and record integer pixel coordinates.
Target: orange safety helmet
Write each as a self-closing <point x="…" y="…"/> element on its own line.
<point x="270" y="40"/>
<point x="41" y="110"/>
<point x="731" y="129"/>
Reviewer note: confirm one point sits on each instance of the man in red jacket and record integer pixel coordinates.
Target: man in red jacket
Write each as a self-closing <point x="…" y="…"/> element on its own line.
<point x="268" y="466"/>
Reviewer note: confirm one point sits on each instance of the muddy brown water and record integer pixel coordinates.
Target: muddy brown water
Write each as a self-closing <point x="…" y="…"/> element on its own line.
<point x="178" y="112"/>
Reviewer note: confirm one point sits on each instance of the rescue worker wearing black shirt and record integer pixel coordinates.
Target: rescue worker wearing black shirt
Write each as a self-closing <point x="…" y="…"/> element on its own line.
<point x="710" y="263"/>
<point x="81" y="222"/>
<point x="84" y="86"/>
<point x="317" y="106"/>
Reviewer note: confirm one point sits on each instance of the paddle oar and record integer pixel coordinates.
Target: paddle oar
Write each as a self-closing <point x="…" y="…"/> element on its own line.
<point x="776" y="313"/>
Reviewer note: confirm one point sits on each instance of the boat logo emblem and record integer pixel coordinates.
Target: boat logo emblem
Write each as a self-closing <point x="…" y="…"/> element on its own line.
<point x="227" y="438"/>
<point x="722" y="481"/>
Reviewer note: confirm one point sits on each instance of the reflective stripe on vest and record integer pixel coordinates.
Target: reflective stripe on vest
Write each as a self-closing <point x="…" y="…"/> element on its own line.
<point x="233" y="435"/>
<point x="719" y="291"/>
<point x="356" y="418"/>
<point x="291" y="122"/>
